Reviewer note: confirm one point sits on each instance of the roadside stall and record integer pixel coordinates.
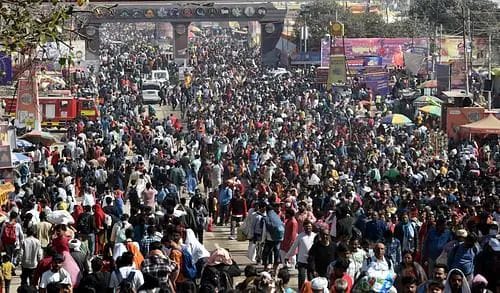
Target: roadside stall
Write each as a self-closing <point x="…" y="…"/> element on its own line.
<point x="5" y="190"/>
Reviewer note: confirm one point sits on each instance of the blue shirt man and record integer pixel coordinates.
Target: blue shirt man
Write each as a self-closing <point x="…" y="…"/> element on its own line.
<point x="375" y="229"/>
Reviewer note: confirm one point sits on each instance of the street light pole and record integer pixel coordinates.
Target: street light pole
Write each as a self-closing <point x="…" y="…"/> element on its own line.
<point x="489" y="69"/>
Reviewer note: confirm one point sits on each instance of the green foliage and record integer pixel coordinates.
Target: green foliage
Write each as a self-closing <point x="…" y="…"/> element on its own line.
<point x="422" y="19"/>
<point x="26" y="24"/>
<point x="450" y="14"/>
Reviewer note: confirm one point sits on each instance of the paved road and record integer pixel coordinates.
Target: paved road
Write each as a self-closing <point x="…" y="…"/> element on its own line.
<point x="212" y="240"/>
<point x="238" y="250"/>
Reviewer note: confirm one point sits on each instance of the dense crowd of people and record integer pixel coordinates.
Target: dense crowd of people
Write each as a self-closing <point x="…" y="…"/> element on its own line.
<point x="310" y="178"/>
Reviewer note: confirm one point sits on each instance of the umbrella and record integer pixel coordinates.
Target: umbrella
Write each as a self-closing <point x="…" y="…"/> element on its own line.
<point x="428" y="100"/>
<point x="37" y="137"/>
<point x="429" y="84"/>
<point x="396" y="119"/>
<point x="21" y="143"/>
<point x="431" y="109"/>
<point x="18" y="158"/>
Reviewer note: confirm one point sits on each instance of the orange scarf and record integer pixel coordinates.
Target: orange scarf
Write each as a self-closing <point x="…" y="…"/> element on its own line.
<point x="138" y="258"/>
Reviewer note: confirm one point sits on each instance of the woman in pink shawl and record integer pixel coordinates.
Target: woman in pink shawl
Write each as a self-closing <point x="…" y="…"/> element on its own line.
<point x="60" y="243"/>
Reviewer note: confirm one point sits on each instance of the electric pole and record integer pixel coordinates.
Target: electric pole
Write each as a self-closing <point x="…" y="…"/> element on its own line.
<point x="466" y="15"/>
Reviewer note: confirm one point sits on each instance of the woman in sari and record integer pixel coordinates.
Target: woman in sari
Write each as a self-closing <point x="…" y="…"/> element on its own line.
<point x="409" y="268"/>
<point x="99" y="216"/>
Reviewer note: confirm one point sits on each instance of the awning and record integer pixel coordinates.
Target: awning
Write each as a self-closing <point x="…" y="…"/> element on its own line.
<point x="18" y="158"/>
<point x="488" y="125"/>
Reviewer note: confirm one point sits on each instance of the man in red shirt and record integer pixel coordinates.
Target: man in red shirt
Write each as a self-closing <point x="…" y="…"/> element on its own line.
<point x="237" y="211"/>
<point x="55" y="156"/>
<point x="291" y="232"/>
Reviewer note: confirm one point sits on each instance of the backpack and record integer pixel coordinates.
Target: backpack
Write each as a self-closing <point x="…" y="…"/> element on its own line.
<point x="171" y="193"/>
<point x="214" y="280"/>
<point x="200" y="217"/>
<point x="83" y="225"/>
<point x="9" y="234"/>
<point x="275" y="226"/>
<point x="188" y="268"/>
<point x="126" y="285"/>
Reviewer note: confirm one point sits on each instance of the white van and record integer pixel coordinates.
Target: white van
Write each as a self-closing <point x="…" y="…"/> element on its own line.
<point x="150" y="93"/>
<point x="160" y="76"/>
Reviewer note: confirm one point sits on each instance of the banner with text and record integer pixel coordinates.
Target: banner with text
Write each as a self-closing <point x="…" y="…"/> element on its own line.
<point x="27" y="111"/>
<point x="337" y="71"/>
<point x="390" y="49"/>
<point x="378" y="83"/>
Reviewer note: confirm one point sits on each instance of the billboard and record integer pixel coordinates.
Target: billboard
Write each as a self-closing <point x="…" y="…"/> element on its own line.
<point x="5" y="69"/>
<point x="390" y="49"/>
<point x="5" y="157"/>
<point x="337" y="71"/>
<point x="457" y="74"/>
<point x="52" y="51"/>
<point x="325" y="52"/>
<point x="27" y="111"/>
<point x="452" y="47"/>
<point x="378" y="82"/>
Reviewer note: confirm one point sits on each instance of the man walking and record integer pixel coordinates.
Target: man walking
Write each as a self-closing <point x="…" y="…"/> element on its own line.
<point x="31" y="254"/>
<point x="11" y="235"/>
<point x="160" y="267"/>
<point x="302" y="245"/>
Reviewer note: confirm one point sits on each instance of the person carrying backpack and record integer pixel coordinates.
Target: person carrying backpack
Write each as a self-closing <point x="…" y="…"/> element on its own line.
<point x="126" y="279"/>
<point x="11" y="235"/>
<point x="274" y="233"/>
<point x="86" y="226"/>
<point x="218" y="273"/>
<point x="200" y="214"/>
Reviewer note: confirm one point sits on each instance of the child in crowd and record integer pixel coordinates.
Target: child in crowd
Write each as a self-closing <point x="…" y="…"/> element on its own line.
<point x="8" y="271"/>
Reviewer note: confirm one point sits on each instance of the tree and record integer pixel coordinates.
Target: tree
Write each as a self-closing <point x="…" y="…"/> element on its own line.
<point x="450" y="14"/>
<point x="317" y="15"/>
<point x="26" y="24"/>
